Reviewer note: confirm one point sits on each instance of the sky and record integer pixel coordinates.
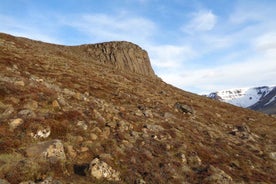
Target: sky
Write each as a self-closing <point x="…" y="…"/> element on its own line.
<point x="199" y="46"/>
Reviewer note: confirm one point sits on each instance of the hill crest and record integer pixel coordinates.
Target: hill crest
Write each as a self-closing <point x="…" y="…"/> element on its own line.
<point x="65" y="118"/>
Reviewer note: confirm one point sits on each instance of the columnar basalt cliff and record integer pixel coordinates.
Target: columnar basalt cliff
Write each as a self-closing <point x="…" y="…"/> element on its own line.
<point x="123" y="55"/>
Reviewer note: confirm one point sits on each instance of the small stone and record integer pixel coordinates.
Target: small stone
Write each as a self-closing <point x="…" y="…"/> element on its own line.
<point x="78" y="96"/>
<point x="139" y="113"/>
<point x="148" y="114"/>
<point x="194" y="161"/>
<point x="79" y="138"/>
<point x="61" y="100"/>
<point x="106" y="132"/>
<point x="71" y="152"/>
<point x="272" y="155"/>
<point x="140" y="181"/>
<point x="19" y="83"/>
<point x="82" y="124"/>
<point x="14" y="100"/>
<point x="26" y="113"/>
<point x="84" y="149"/>
<point x="39" y="80"/>
<point x="183" y="158"/>
<point x="7" y="112"/>
<point x="15" y="123"/>
<point x="55" y="104"/>
<point x="32" y="105"/>
<point x="97" y="130"/>
<point x="42" y="133"/>
<point x="93" y="136"/>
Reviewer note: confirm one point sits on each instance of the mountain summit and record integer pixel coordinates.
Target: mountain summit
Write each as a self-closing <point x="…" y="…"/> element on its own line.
<point x="98" y="114"/>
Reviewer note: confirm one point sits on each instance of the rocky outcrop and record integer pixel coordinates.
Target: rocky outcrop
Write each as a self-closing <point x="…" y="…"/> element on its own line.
<point x="122" y="55"/>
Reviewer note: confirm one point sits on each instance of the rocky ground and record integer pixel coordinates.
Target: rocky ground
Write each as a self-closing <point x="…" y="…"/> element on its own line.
<point x="68" y="115"/>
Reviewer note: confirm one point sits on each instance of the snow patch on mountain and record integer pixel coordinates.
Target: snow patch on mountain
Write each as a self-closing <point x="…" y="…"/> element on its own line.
<point x="243" y="97"/>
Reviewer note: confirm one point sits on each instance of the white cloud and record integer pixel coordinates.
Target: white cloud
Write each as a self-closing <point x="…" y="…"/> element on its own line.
<point x="266" y="43"/>
<point x="103" y="27"/>
<point x="201" y="21"/>
<point x="250" y="73"/>
<point x="245" y="12"/>
<point x="25" y="29"/>
<point x="169" y="56"/>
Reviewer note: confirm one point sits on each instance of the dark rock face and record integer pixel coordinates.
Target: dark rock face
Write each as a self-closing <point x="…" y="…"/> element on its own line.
<point x="122" y="55"/>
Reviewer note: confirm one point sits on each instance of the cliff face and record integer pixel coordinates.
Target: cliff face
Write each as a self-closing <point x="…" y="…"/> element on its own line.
<point x="123" y="55"/>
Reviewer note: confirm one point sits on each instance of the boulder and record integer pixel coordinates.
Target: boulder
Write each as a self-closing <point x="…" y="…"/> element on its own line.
<point x="218" y="176"/>
<point x="181" y="107"/>
<point x="51" y="151"/>
<point x="100" y="170"/>
<point x="15" y="123"/>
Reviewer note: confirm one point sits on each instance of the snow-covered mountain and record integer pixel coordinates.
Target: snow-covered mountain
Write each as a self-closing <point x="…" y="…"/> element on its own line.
<point x="257" y="98"/>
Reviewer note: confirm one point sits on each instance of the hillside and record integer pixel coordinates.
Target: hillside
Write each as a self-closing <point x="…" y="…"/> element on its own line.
<point x="262" y="99"/>
<point x="98" y="114"/>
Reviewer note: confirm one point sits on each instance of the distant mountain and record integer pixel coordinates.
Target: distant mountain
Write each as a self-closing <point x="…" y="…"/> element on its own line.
<point x="258" y="98"/>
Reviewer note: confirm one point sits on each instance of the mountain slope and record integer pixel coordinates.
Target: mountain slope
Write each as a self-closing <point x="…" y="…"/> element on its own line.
<point x="259" y="98"/>
<point x="70" y="119"/>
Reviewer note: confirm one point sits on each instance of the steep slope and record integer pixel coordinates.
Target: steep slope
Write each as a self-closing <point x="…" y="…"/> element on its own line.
<point x="70" y="119"/>
<point x="258" y="98"/>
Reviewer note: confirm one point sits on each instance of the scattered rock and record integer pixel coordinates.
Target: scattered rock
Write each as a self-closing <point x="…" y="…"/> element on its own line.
<point x="218" y="176"/>
<point x="140" y="181"/>
<point x="79" y="138"/>
<point x="272" y="155"/>
<point x="2" y="181"/>
<point x="148" y="113"/>
<point x="106" y="132"/>
<point x="26" y="113"/>
<point x="40" y="131"/>
<point x="32" y="105"/>
<point x="100" y="169"/>
<point x="51" y="151"/>
<point x="71" y="152"/>
<point x="93" y="136"/>
<point x="83" y="149"/>
<point x="15" y="123"/>
<point x="55" y="104"/>
<point x="19" y="83"/>
<point x="242" y="131"/>
<point x="183" y="158"/>
<point x="139" y="113"/>
<point x="194" y="161"/>
<point x="82" y="125"/>
<point x="154" y="128"/>
<point x="168" y="115"/>
<point x="7" y="111"/>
